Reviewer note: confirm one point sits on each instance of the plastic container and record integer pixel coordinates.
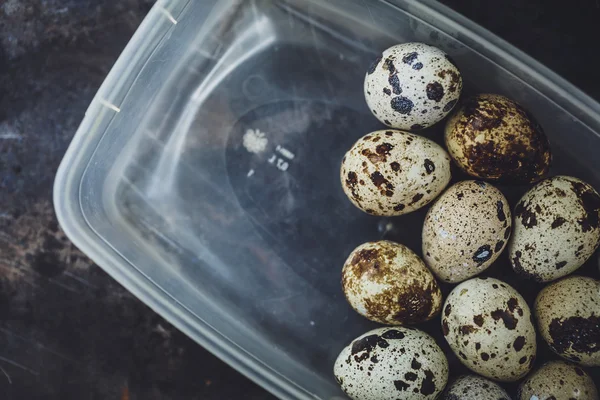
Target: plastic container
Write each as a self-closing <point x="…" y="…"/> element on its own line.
<point x="204" y="177"/>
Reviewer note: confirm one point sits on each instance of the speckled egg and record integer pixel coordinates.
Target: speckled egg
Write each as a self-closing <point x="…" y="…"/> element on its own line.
<point x="386" y="282"/>
<point x="568" y="318"/>
<point x="472" y="387"/>
<point x="465" y="230"/>
<point x="556" y="228"/>
<point x="392" y="363"/>
<point x="492" y="137"/>
<point x="489" y="327"/>
<point x="393" y="172"/>
<point x="558" y="380"/>
<point x="412" y="86"/>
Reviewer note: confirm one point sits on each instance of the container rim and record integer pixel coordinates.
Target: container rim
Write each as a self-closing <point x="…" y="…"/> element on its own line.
<point x="67" y="184"/>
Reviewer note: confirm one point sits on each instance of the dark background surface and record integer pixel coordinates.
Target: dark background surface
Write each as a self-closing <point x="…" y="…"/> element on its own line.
<point x="67" y="330"/>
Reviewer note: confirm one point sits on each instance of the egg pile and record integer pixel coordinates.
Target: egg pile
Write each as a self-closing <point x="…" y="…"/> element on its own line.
<point x="486" y="324"/>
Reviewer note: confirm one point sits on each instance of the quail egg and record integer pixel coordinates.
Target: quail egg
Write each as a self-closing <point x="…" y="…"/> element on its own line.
<point x="412" y="86"/>
<point x="391" y="172"/>
<point x="392" y="363"/>
<point x="489" y="327"/>
<point x="556" y="228"/>
<point x="465" y="230"/>
<point x="557" y="380"/>
<point x="386" y="282"/>
<point x="472" y="387"/>
<point x="568" y="317"/>
<point x="492" y="137"/>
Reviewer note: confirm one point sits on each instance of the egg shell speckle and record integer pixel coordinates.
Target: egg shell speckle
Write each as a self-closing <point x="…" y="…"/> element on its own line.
<point x="492" y="137"/>
<point x="465" y="230"/>
<point x="556" y="228"/>
<point x="558" y="380"/>
<point x="387" y="282"/>
<point x="391" y="172"/>
<point x="490" y="328"/>
<point x="568" y="317"/>
<point x="472" y="387"/>
<point x="392" y="363"/>
<point x="412" y="86"/>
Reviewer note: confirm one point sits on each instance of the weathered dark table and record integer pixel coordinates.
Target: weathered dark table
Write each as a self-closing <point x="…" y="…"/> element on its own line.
<point x="67" y="330"/>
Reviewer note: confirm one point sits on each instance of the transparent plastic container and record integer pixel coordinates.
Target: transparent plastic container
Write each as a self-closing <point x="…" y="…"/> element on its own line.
<point x="204" y="177"/>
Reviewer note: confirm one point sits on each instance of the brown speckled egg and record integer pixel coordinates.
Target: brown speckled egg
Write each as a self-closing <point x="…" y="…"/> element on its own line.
<point x="492" y="137"/>
<point x="558" y="380"/>
<point x="556" y="228"/>
<point x="568" y="318"/>
<point x="390" y="364"/>
<point x="465" y="230"/>
<point x="393" y="172"/>
<point x="412" y="86"/>
<point x="489" y="327"/>
<point x="386" y="282"/>
<point x="472" y="387"/>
